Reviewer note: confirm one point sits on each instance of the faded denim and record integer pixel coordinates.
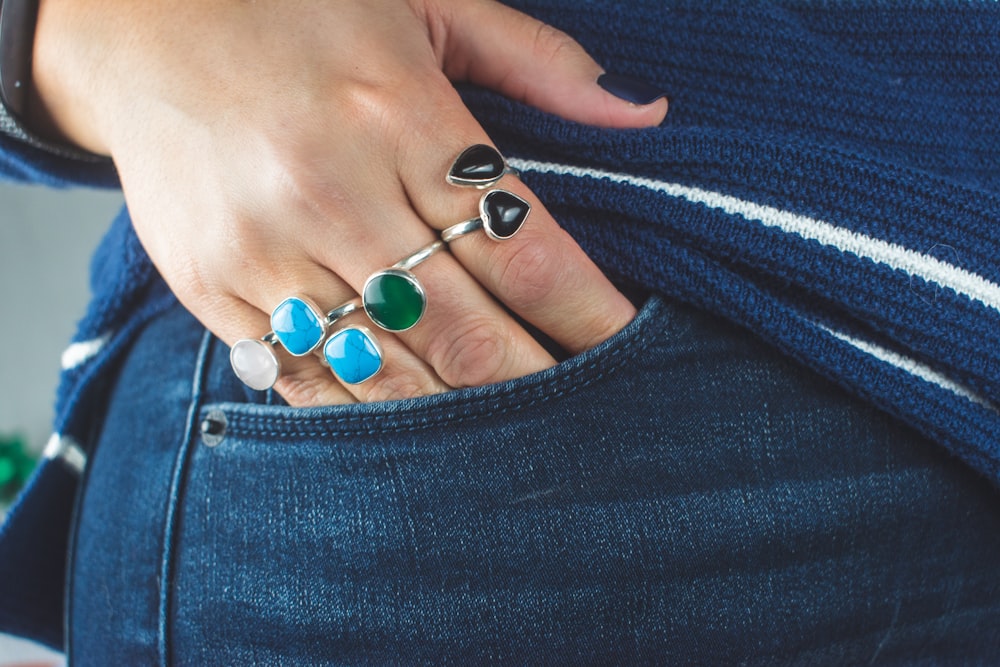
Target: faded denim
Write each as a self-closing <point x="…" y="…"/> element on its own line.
<point x="681" y="494"/>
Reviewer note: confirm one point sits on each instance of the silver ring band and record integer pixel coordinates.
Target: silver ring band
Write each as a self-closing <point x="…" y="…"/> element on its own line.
<point x="461" y="229"/>
<point x="419" y="256"/>
<point x="342" y="311"/>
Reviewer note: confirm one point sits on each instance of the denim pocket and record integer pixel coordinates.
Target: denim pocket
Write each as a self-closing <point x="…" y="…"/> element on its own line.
<point x="422" y="530"/>
<point x="681" y="491"/>
<point x="275" y="424"/>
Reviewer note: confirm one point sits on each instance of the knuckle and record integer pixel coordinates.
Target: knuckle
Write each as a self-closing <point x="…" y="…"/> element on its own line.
<point x="304" y="390"/>
<point x="530" y="274"/>
<point x="551" y="43"/>
<point x="373" y="103"/>
<point x="397" y="386"/>
<point x="473" y="353"/>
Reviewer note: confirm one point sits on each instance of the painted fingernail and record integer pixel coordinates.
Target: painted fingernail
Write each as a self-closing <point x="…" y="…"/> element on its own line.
<point x="630" y="90"/>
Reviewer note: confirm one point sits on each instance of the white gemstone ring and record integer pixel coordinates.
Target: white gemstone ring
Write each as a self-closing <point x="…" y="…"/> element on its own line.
<point x="254" y="360"/>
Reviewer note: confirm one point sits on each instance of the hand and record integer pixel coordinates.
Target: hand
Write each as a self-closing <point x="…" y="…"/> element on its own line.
<point x="278" y="148"/>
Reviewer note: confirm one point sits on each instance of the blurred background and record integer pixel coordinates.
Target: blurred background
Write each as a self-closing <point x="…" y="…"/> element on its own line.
<point x="46" y="238"/>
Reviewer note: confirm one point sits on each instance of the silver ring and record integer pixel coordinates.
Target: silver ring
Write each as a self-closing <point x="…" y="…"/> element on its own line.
<point x="419" y="256"/>
<point x="353" y="354"/>
<point x="255" y="363"/>
<point x="342" y="311"/>
<point x="394" y="298"/>
<point x="461" y="229"/>
<point x="254" y="360"/>
<point x="501" y="215"/>
<point x="478" y="166"/>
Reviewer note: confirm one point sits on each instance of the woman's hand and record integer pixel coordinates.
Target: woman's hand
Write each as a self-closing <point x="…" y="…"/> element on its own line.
<point x="277" y="148"/>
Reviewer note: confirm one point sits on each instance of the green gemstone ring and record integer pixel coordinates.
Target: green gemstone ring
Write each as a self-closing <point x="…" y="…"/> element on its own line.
<point x="394" y="298"/>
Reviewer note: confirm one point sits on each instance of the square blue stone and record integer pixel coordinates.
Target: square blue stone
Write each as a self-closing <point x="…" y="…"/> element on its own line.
<point x="298" y="325"/>
<point x="354" y="355"/>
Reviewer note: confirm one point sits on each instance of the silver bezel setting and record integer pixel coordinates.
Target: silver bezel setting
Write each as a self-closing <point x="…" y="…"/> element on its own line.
<point x="317" y="312"/>
<point x="375" y="343"/>
<point x="408" y="276"/>
<point x="488" y="227"/>
<point x="261" y="344"/>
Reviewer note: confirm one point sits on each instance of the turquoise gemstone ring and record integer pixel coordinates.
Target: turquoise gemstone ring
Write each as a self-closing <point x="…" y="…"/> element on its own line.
<point x="353" y="354"/>
<point x="299" y="325"/>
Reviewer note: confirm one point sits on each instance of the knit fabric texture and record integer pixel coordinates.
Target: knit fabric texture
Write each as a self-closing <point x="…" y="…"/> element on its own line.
<point x="827" y="177"/>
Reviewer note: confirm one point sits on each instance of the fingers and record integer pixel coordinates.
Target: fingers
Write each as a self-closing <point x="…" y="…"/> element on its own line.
<point x="465" y="335"/>
<point x="308" y="380"/>
<point x="495" y="46"/>
<point x="540" y="273"/>
<point x="312" y="197"/>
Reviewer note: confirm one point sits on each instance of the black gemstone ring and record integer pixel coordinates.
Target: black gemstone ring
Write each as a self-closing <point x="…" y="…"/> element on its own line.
<point x="501" y="215"/>
<point x="478" y="166"/>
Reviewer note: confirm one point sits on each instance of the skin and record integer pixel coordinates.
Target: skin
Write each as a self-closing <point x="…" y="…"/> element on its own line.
<point x="275" y="148"/>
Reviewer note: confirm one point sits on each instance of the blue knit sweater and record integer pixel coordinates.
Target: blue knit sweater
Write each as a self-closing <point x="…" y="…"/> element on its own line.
<point x="828" y="177"/>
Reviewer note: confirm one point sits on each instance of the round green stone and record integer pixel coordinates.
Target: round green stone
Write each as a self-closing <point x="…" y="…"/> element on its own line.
<point x="394" y="299"/>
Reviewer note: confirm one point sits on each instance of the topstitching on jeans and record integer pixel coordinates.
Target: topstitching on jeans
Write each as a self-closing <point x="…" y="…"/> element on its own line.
<point x="456" y="407"/>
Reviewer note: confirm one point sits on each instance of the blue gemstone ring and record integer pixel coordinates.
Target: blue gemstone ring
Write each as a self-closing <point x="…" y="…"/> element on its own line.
<point x="299" y="325"/>
<point x="353" y="354"/>
<point x="501" y="215"/>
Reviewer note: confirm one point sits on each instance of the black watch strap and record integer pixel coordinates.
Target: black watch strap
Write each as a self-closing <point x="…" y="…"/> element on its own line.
<point x="17" y="40"/>
<point x="17" y="36"/>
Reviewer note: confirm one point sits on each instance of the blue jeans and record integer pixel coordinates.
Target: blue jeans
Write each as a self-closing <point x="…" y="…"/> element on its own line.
<point x="682" y="494"/>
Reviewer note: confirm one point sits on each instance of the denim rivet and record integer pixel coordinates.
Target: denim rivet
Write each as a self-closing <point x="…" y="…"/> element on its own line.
<point x="213" y="428"/>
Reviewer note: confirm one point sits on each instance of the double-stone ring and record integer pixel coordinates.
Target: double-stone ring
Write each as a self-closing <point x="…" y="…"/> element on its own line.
<point x="298" y="325"/>
<point x="501" y="215"/>
<point x="393" y="298"/>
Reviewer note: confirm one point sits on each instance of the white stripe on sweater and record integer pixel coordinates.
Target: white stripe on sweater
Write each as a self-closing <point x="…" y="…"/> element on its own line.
<point x="80" y="353"/>
<point x="894" y="256"/>
<point x="911" y="366"/>
<point x="68" y="450"/>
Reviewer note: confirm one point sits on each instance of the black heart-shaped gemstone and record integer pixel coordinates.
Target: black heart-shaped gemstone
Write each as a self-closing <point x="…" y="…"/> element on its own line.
<point x="503" y="213"/>
<point x="478" y="165"/>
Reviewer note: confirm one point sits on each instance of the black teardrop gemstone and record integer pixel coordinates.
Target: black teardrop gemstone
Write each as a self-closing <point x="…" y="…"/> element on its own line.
<point x="478" y="165"/>
<point x="503" y="213"/>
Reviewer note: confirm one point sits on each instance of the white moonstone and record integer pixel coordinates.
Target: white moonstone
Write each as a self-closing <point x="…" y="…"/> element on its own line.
<point x="255" y="363"/>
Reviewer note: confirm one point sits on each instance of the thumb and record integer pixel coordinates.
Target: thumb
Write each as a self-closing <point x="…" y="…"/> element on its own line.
<point x="492" y="45"/>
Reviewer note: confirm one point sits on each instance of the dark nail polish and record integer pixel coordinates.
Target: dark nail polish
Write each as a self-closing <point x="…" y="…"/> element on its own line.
<point x="630" y="90"/>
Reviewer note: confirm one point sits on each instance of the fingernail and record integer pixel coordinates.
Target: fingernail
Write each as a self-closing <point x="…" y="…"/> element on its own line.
<point x="630" y="90"/>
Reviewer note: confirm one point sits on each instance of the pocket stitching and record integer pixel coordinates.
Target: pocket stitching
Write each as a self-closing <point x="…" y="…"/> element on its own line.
<point x="550" y="389"/>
